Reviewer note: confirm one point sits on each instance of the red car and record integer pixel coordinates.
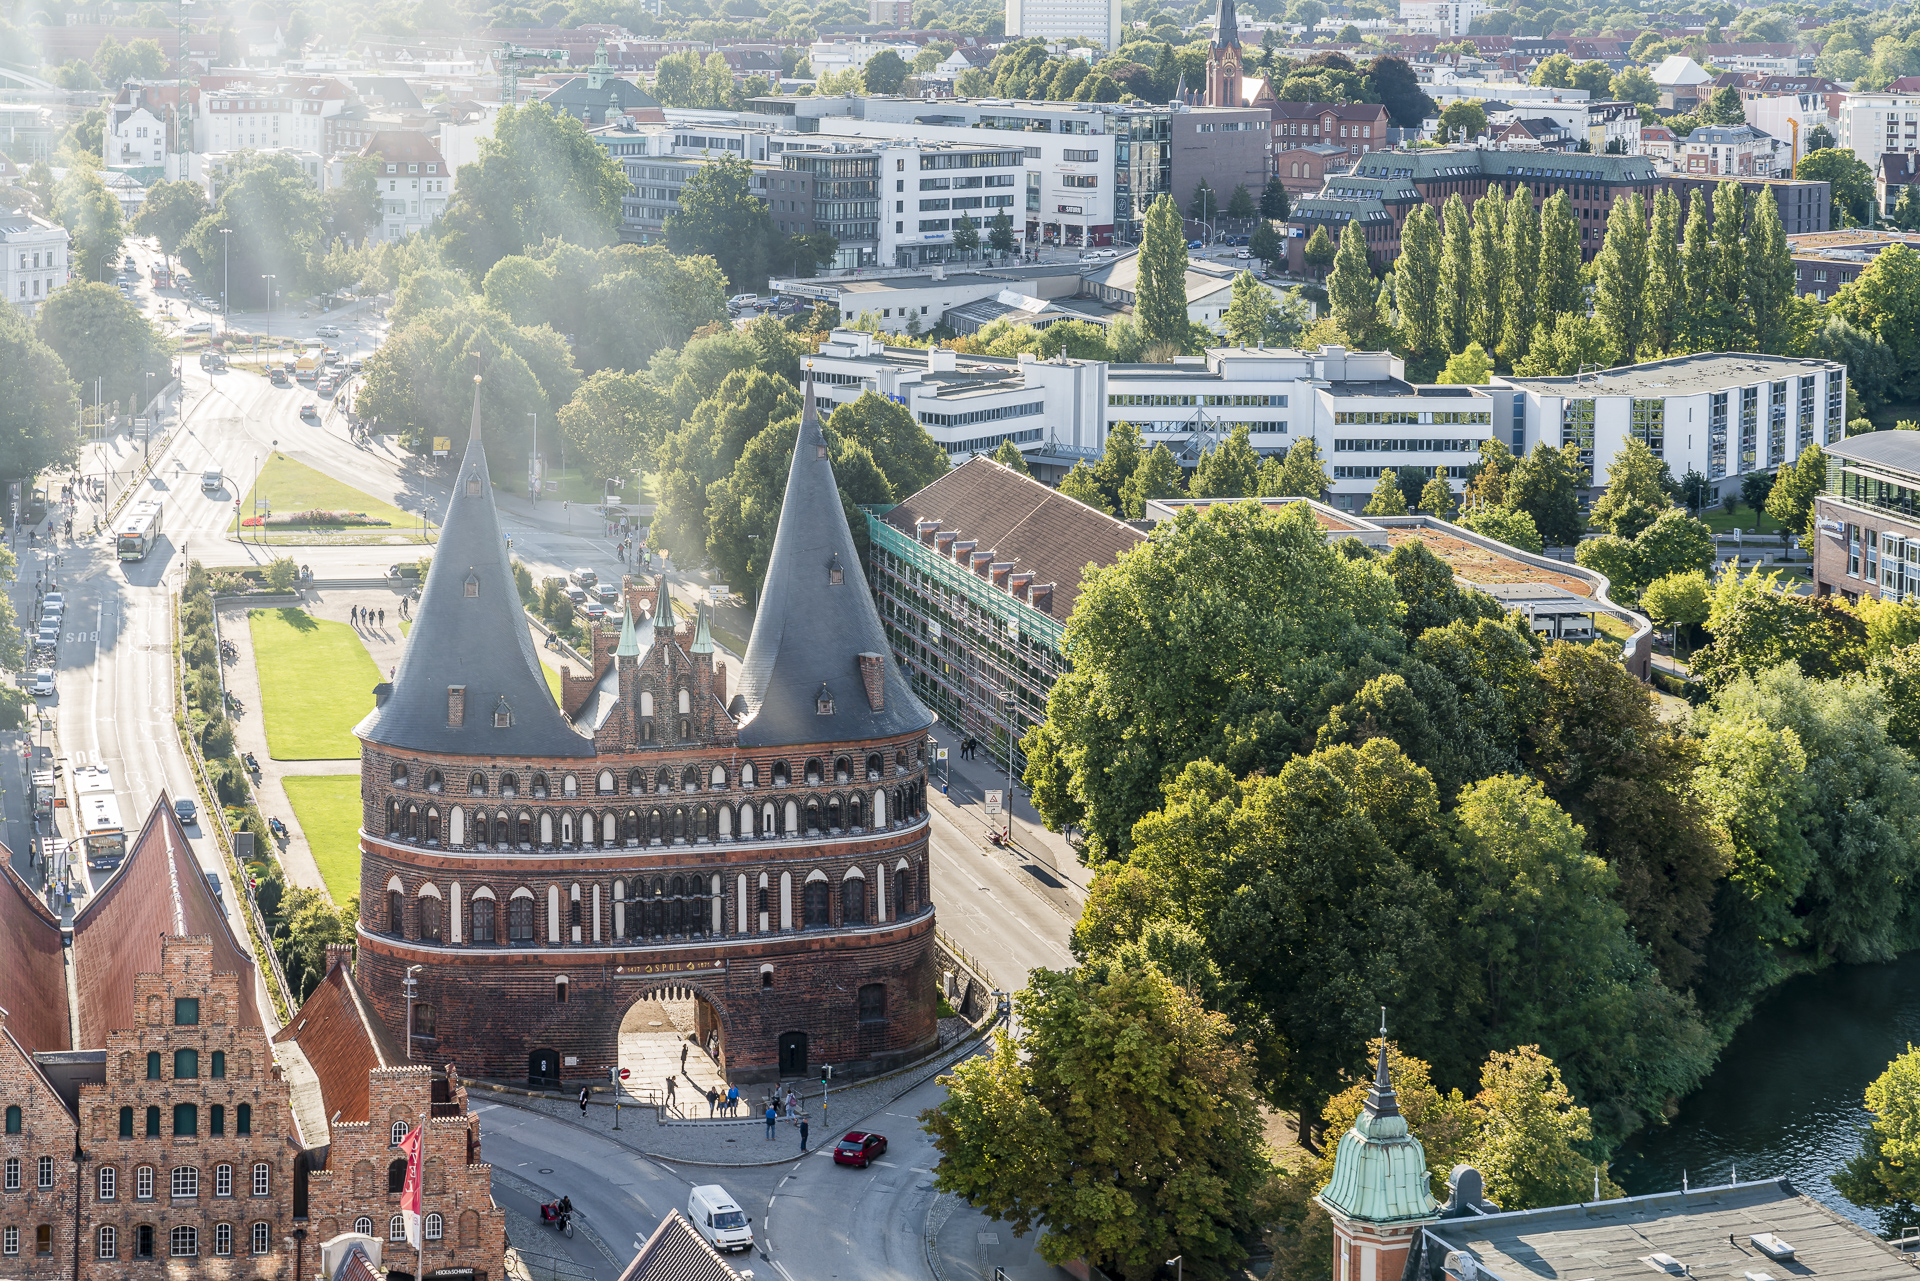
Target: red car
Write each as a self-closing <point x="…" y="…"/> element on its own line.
<point x="859" y="1149"/>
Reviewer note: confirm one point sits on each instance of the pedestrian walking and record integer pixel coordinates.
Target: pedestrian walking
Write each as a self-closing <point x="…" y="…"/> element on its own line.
<point x="770" y="1121"/>
<point x="713" y="1101"/>
<point x="669" y="1089"/>
<point x="683" y="1056"/>
<point x="353" y="615"/>
<point x="583" y="1101"/>
<point x="383" y="618"/>
<point x="790" y="1103"/>
<point x="803" y="1134"/>
<point x="733" y="1100"/>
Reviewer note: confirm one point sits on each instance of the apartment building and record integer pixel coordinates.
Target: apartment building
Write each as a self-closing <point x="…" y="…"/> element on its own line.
<point x="1729" y="151"/>
<point x="33" y="259"/>
<point x="1874" y="122"/>
<point x="1097" y="21"/>
<point x="1867" y="538"/>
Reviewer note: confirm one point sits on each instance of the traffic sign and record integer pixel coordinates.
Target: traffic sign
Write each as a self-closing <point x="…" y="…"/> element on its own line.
<point x="624" y="1074"/>
<point x="993" y="804"/>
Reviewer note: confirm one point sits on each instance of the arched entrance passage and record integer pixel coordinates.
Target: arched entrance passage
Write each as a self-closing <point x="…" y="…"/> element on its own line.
<point x="674" y="1033"/>
<point x="543" y="1069"/>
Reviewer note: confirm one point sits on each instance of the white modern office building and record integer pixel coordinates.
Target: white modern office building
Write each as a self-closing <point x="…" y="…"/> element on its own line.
<point x="1094" y="20"/>
<point x="1723" y="415"/>
<point x="1874" y="122"/>
<point x="33" y="259"/>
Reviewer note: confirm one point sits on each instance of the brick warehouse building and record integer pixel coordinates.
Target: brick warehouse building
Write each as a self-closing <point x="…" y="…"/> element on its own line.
<point x="181" y="1144"/>
<point x="761" y="847"/>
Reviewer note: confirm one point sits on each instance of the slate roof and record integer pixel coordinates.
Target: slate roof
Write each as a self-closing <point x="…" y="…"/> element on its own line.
<point x="1038" y="528"/>
<point x="479" y="641"/>
<point x="159" y="890"/>
<point x="810" y="633"/>
<point x="676" y="1252"/>
<point x="1706" y="1230"/>
<point x="343" y="1041"/>
<point x="575" y="98"/>
<point x="33" y="980"/>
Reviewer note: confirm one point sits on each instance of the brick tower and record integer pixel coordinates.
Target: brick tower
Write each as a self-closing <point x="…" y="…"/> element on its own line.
<point x="1379" y="1195"/>
<point x="1223" y="58"/>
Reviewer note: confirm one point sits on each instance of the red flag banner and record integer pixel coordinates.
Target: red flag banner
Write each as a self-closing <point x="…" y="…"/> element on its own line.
<point x="410" y="1194"/>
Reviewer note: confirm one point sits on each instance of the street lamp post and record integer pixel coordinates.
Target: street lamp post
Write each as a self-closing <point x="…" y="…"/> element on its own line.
<point x="226" y="284"/>
<point x="1006" y="698"/>
<point x="268" y="319"/>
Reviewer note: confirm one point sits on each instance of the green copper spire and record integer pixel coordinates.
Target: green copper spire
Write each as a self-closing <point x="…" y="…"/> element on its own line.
<point x="629" y="646"/>
<point x="1380" y="1169"/>
<point x="702" y="637"/>
<point x="663" y="608"/>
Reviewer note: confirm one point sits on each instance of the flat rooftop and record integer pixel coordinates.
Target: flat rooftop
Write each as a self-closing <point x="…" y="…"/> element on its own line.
<point x="1680" y="376"/>
<point x="1703" y="1234"/>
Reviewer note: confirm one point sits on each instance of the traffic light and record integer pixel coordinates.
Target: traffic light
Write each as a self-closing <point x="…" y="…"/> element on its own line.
<point x="826" y="1073"/>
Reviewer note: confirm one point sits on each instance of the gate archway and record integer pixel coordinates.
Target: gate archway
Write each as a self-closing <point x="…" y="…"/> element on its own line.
<point x="674" y="1032"/>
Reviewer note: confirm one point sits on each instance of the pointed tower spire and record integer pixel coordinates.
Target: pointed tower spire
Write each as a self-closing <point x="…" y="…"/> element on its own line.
<point x="702" y="636"/>
<point x="1380" y="1168"/>
<point x="1226" y="26"/>
<point x="629" y="646"/>
<point x="1381" y="1100"/>
<point x="816" y="619"/>
<point x="663" y="607"/>
<point x="470" y="682"/>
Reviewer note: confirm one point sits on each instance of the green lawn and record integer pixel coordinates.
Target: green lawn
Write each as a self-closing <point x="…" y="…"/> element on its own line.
<point x="328" y="807"/>
<point x="293" y="487"/>
<point x="1745" y="518"/>
<point x="316" y="682"/>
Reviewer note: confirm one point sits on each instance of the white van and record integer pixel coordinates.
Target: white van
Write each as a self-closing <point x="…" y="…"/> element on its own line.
<point x="718" y="1219"/>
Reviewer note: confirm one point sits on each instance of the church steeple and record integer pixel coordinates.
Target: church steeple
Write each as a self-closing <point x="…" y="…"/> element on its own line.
<point x="1380" y="1169"/>
<point x="1223" y="58"/>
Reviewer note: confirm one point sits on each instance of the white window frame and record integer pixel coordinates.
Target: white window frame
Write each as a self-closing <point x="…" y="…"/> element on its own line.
<point x="183" y="1182"/>
<point x="183" y="1242"/>
<point x="109" y="1179"/>
<point x="12" y="1180"/>
<point x="398" y="1132"/>
<point x="108" y="1243"/>
<point x="223" y="1180"/>
<point x="434" y="1228"/>
<point x="46" y="1172"/>
<point x="363" y="1226"/>
<point x="223" y="1239"/>
<point x="9" y="1240"/>
<point x="261" y="1241"/>
<point x="261" y="1178"/>
<point x="397" y="1228"/>
<point x="143" y="1183"/>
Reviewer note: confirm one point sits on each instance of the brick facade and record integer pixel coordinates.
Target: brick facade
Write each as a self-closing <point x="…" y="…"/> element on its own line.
<point x="190" y="1141"/>
<point x="671" y="860"/>
<point x="359" y="1190"/>
<point x="36" y="1156"/>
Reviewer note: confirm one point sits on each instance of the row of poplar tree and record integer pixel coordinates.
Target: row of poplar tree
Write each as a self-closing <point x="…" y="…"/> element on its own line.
<point x="1507" y="276"/>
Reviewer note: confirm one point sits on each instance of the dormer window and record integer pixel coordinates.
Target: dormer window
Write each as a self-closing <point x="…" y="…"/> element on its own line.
<point x="473" y="585"/>
<point x="823" y="702"/>
<point x="503" y="719"/>
<point x="473" y="483"/>
<point x="835" y="574"/>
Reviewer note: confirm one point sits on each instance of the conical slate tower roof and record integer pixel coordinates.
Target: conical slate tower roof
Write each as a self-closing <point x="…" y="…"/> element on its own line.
<point x="1226" y="25"/>
<point x="471" y="634"/>
<point x="802" y="677"/>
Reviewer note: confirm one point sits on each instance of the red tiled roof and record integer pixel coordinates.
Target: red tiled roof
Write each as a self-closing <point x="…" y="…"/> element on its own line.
<point x="159" y="890"/>
<point x="343" y="1041"/>
<point x="1040" y="530"/>
<point x="676" y="1252"/>
<point x="400" y="146"/>
<point x="33" y="978"/>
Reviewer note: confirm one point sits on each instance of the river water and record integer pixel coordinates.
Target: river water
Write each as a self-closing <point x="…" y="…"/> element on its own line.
<point x="1787" y="1095"/>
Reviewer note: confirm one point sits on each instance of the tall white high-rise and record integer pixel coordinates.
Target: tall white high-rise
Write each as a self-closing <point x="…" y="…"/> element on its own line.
<point x="1094" y="20"/>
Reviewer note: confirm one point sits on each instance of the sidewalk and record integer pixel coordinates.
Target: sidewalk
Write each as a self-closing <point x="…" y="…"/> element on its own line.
<point x="743" y="1142"/>
<point x="963" y="1244"/>
<point x="964" y="807"/>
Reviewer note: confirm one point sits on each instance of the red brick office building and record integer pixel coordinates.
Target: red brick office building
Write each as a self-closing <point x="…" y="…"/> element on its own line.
<point x="757" y="840"/>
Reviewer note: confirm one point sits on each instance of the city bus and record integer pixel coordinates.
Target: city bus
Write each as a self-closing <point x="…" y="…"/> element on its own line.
<point x="140" y="530"/>
<point x="97" y="818"/>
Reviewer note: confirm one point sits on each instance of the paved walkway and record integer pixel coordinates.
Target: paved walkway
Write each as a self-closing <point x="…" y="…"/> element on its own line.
<point x="965" y="783"/>
<point x="964" y="1244"/>
<point x="724" y="1142"/>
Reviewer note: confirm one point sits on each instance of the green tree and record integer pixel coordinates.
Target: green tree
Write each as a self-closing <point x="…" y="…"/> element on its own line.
<point x="1265" y="244"/>
<point x="1759" y="623"/>
<point x="1299" y="473"/>
<point x="1559" y="289"/>
<point x="743" y="508"/>
<point x="1081" y="486"/>
<point x="1491" y="271"/>
<point x="170" y="212"/>
<point x="1157" y="476"/>
<point x="1523" y="270"/>
<point x="1240" y="203"/>
<point x="274" y="213"/>
<point x="1352" y="290"/>
<point x="1555" y="72"/>
<point x="1318" y="253"/>
<point x="885" y="72"/>
<point x="1469" y="367"/>
<point x="1575" y="341"/>
<point x="1850" y="183"/>
<point x="539" y="176"/>
<point x="1487" y="482"/>
<point x="1160" y="298"/>
<point x="1543" y="485"/>
<point x="352" y="205"/>
<point x="1533" y="1139"/>
<point x="1515" y="528"/>
<point x="1699" y="323"/>
<point x="966" y="235"/>
<point x="1463" y="120"/>
<point x="1791" y="500"/>
<point x="98" y="334"/>
<point x="1417" y="277"/>
<point x="1009" y="455"/>
<point x="1636" y="491"/>
<point x="1287" y="613"/>
<point x="38" y="409"/>
<point x="1884" y="301"/>
<point x="1000" y="234"/>
<point x="1673" y="543"/>
<point x="1251" y="313"/>
<point x="1635" y="84"/>
<point x="1906" y="210"/>
<point x="1276" y="203"/>
<point x="1676" y="600"/>
<point x="1730" y="316"/>
<point x="1770" y="278"/>
<point x="1388" y="498"/>
<point x="1886" y="1171"/>
<point x="613" y="424"/>
<point x="720" y="216"/>
<point x="910" y="459"/>
<point x="706" y="449"/>
<point x="91" y="214"/>
<point x="1205" y="205"/>
<point x="1230" y="470"/>
<point x="1436" y="498"/>
<point x="1166" y="1163"/>
<point x="1119" y="459"/>
<point x="1456" y="274"/>
<point x="1666" y="288"/>
<point x="1620" y="277"/>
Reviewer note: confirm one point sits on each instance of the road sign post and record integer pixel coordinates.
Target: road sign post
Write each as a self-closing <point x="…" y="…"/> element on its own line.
<point x="993" y="804"/>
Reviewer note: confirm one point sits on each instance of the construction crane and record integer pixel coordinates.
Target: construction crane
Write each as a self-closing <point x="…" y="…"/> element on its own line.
<point x="511" y="56"/>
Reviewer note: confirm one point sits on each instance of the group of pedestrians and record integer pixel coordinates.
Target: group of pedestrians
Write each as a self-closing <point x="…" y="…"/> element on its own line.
<point x="969" y="748"/>
<point x="365" y="616"/>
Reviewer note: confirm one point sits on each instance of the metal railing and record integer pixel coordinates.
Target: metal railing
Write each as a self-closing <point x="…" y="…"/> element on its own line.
<point x="550" y="1267"/>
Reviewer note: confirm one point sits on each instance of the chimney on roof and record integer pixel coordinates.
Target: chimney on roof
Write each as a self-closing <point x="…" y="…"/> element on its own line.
<point x="873" y="674"/>
<point x="1042" y="597"/>
<point x="340" y="954"/>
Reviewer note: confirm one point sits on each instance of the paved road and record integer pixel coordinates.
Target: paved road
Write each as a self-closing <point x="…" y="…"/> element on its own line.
<point x="813" y="1220"/>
